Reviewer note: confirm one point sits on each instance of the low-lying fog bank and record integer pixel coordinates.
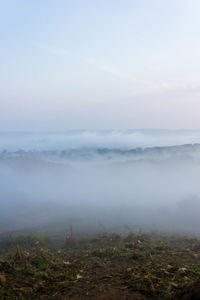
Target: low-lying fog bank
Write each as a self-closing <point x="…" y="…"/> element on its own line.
<point x="97" y="139"/>
<point x="150" y="188"/>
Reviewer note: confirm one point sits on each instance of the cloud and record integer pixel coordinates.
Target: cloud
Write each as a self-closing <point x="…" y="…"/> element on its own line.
<point x="109" y="69"/>
<point x="141" y="87"/>
<point x="100" y="65"/>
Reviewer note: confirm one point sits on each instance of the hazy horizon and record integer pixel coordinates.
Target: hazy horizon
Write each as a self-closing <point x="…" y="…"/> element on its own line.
<point x="85" y="139"/>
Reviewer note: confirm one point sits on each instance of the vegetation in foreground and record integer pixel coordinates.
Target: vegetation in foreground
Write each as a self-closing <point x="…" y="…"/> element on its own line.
<point x="109" y="266"/>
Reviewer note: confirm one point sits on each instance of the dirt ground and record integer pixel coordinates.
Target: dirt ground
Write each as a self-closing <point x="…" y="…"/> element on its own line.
<point x="109" y="266"/>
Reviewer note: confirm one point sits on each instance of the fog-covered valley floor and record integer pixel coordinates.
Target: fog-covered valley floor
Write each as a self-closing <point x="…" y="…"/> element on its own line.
<point x="110" y="179"/>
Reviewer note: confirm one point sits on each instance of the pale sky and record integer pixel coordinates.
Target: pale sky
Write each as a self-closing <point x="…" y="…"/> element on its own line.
<point x="73" y="64"/>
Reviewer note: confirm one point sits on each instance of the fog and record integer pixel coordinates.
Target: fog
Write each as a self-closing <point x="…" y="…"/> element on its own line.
<point x="134" y="180"/>
<point x="111" y="139"/>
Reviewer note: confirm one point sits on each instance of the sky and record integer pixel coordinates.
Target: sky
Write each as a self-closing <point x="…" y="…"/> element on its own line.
<point x="109" y="64"/>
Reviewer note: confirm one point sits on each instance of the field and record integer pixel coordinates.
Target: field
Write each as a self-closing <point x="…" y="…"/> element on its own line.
<point x="106" y="266"/>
